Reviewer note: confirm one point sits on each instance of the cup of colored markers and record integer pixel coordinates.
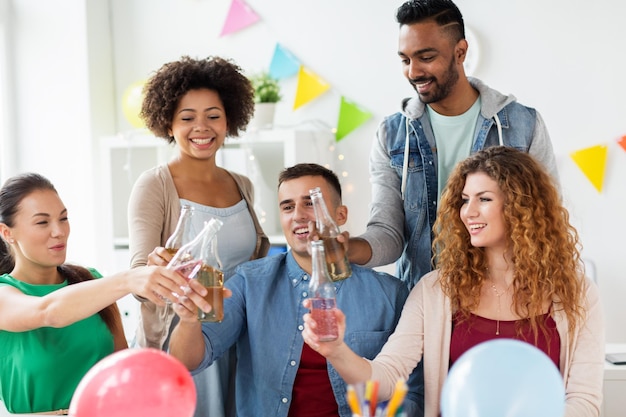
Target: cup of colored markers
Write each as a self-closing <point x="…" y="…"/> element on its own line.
<point x="363" y="400"/>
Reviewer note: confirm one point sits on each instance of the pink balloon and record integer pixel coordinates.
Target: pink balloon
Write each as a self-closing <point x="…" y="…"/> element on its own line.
<point x="138" y="383"/>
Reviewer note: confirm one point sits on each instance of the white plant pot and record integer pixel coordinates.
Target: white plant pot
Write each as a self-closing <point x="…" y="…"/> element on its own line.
<point x="263" y="116"/>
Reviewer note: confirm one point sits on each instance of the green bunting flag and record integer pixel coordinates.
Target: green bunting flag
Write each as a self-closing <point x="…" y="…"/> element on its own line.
<point x="351" y="116"/>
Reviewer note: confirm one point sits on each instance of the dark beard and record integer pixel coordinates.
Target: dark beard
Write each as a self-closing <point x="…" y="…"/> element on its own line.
<point x="442" y="89"/>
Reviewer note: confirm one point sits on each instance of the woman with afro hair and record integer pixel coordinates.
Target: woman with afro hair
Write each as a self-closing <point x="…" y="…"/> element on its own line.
<point x="194" y="104"/>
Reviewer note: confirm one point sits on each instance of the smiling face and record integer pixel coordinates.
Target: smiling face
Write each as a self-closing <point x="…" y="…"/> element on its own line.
<point x="199" y="125"/>
<point x="40" y="231"/>
<point x="296" y="211"/>
<point x="431" y="60"/>
<point x="482" y="212"/>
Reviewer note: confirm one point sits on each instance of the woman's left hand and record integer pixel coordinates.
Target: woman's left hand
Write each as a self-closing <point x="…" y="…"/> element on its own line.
<point x="188" y="304"/>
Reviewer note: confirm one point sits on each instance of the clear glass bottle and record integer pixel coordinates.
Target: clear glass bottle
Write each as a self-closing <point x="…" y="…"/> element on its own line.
<point x="322" y="295"/>
<point x="181" y="233"/>
<point x="212" y="277"/>
<point x="188" y="259"/>
<point x="336" y="258"/>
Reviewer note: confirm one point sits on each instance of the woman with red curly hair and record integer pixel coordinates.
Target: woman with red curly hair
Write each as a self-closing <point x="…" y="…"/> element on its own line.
<point x="508" y="266"/>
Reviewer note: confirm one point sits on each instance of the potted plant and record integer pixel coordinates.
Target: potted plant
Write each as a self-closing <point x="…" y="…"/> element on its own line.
<point x="266" y="95"/>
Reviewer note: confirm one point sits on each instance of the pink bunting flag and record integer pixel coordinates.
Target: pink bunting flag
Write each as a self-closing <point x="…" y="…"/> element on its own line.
<point x="239" y="16"/>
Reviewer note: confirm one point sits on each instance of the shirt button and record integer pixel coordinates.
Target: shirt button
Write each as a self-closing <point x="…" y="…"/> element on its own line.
<point x="284" y="400"/>
<point x="300" y="327"/>
<point x="434" y="203"/>
<point x="292" y="363"/>
<point x="430" y="162"/>
<point x="294" y="281"/>
<point x="304" y="294"/>
<point x="305" y="278"/>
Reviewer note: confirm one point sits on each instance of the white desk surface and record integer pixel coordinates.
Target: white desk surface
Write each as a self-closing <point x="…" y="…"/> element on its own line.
<point x="612" y="371"/>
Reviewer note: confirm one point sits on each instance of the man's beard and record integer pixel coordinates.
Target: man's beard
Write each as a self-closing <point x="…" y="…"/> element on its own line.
<point x="441" y="90"/>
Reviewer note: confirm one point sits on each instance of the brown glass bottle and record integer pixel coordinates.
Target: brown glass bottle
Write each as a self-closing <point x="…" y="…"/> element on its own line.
<point x="336" y="259"/>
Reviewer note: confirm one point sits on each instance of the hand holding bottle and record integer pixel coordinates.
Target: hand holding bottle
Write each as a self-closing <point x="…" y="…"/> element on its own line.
<point x="309" y="333"/>
<point x="156" y="284"/>
<point x="338" y="265"/>
<point x="342" y="237"/>
<point x="194" y="299"/>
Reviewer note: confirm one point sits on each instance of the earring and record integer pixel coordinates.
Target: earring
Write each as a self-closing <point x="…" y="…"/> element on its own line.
<point x="11" y="241"/>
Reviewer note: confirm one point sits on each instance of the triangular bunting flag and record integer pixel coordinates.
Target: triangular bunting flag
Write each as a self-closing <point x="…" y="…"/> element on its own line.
<point x="310" y="86"/>
<point x="283" y="64"/>
<point x="240" y="15"/>
<point x="351" y="116"/>
<point x="622" y="142"/>
<point x="592" y="162"/>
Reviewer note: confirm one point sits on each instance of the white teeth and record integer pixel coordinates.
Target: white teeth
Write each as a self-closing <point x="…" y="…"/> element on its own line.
<point x="477" y="226"/>
<point x="201" y="141"/>
<point x="301" y="230"/>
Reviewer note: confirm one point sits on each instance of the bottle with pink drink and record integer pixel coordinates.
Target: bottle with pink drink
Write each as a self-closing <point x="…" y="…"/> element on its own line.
<point x="322" y="295"/>
<point x="188" y="259"/>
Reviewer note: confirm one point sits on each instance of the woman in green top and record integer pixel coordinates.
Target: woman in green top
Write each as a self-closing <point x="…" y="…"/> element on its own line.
<point x="56" y="321"/>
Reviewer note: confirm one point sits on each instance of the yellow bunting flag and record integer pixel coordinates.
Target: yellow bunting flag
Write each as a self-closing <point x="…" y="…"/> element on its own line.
<point x="592" y="162"/>
<point x="622" y="142"/>
<point x="310" y="86"/>
<point x="351" y="116"/>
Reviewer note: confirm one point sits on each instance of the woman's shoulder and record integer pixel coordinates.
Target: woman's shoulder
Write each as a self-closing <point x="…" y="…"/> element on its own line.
<point x="156" y="180"/>
<point x="429" y="283"/>
<point x="159" y="173"/>
<point x="241" y="180"/>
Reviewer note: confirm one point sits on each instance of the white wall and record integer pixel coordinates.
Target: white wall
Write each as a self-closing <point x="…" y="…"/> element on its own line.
<point x="562" y="57"/>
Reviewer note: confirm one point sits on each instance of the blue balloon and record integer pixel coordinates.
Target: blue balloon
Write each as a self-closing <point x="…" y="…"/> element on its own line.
<point x="503" y="378"/>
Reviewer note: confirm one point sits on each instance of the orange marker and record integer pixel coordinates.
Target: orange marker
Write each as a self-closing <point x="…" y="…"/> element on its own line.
<point x="396" y="399"/>
<point x="373" y="398"/>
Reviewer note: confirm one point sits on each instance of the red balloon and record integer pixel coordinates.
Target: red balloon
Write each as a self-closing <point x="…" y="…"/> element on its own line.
<point x="138" y="383"/>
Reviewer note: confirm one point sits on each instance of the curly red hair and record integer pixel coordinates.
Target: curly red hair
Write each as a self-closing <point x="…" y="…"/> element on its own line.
<point x="544" y="245"/>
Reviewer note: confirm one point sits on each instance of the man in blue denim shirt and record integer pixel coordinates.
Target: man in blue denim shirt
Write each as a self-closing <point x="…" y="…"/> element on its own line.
<point x="277" y="375"/>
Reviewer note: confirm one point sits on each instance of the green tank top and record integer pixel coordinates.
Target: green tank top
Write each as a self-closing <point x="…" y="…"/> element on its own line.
<point x="40" y="369"/>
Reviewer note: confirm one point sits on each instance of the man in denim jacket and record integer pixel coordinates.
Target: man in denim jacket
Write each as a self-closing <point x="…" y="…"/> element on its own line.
<point x="277" y="374"/>
<point x="416" y="149"/>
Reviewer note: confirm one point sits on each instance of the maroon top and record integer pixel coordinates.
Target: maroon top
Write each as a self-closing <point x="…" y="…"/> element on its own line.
<point x="312" y="394"/>
<point x="476" y="329"/>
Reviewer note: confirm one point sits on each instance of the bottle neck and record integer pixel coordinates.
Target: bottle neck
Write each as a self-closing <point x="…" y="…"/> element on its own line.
<point x="319" y="272"/>
<point x="323" y="221"/>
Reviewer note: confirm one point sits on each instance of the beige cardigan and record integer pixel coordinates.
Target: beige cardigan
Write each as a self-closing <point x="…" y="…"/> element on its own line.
<point x="153" y="211"/>
<point x="425" y="327"/>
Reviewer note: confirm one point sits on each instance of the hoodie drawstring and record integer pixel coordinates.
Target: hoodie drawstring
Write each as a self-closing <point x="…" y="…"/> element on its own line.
<point x="405" y="163"/>
<point x="499" y="126"/>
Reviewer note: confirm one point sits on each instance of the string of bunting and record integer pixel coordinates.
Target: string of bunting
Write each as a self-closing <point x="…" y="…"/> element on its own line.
<point x="285" y="64"/>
